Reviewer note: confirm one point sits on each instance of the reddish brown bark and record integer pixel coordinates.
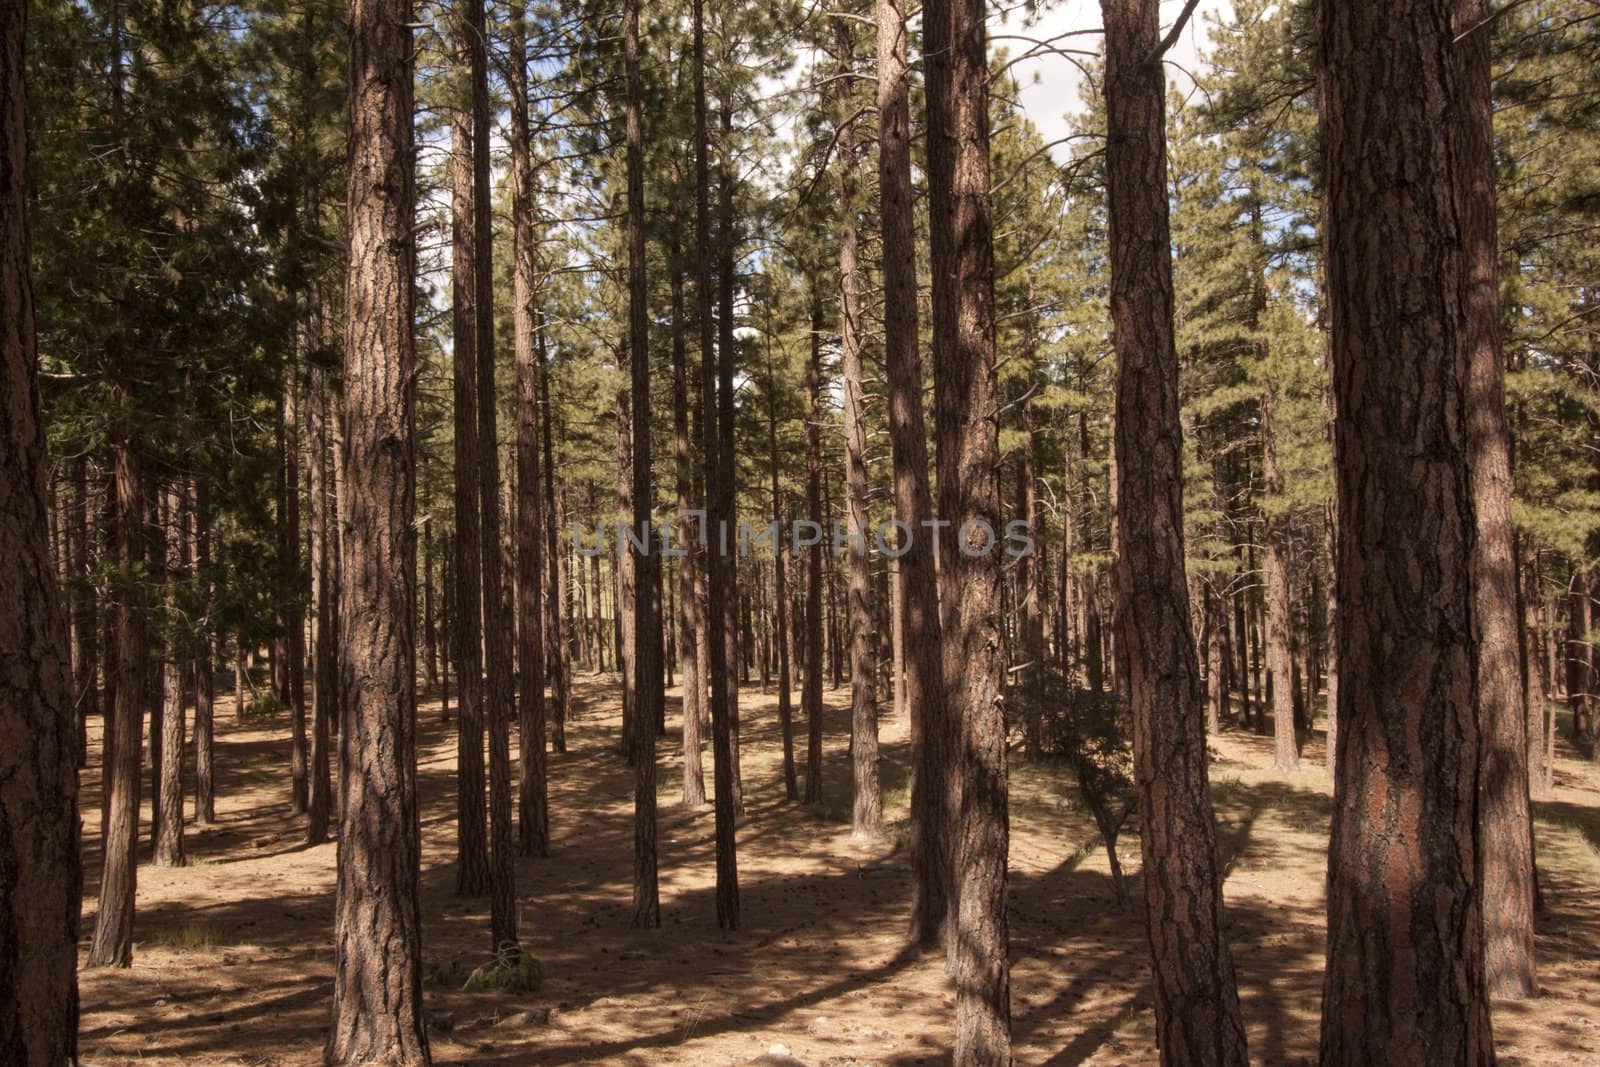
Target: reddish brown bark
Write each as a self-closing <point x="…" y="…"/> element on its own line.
<point x="377" y="992"/>
<point x="533" y="814"/>
<point x="717" y="588"/>
<point x="866" y="815"/>
<point x="1506" y="859"/>
<point x="1197" y="1002"/>
<point x="1405" y="979"/>
<point x="40" y="875"/>
<point x="473" y="876"/>
<point x="966" y="425"/>
<point x="647" y="637"/>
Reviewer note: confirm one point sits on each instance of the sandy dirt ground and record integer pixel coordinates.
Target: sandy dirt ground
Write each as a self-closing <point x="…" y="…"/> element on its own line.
<point x="233" y="959"/>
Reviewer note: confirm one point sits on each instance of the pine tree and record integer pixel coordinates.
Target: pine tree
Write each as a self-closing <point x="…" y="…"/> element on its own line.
<point x="1408" y="729"/>
<point x="377" y="996"/>
<point x="39" y="863"/>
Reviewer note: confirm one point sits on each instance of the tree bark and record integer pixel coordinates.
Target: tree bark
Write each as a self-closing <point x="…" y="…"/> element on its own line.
<point x="1405" y="979"/>
<point x="811" y="691"/>
<point x="559" y="653"/>
<point x="41" y="879"/>
<point x="727" y="467"/>
<point x="955" y="51"/>
<point x="647" y="650"/>
<point x="717" y="591"/>
<point x="866" y="815"/>
<point x="1275" y="576"/>
<point x="291" y="615"/>
<point x="168" y="844"/>
<point x="113" y="934"/>
<point x="473" y="877"/>
<point x="1506" y="858"/>
<point x="377" y="992"/>
<point x="498" y="619"/>
<point x="691" y="625"/>
<point x="533" y="808"/>
<point x="780" y="583"/>
<point x="1197" y="1003"/>
<point x="205" y="686"/>
<point x="324" y="588"/>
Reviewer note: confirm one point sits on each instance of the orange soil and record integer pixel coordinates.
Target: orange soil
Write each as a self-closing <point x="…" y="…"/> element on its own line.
<point x="233" y="963"/>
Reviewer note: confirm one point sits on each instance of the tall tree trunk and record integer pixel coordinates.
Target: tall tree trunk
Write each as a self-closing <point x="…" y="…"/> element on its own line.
<point x="727" y="467"/>
<point x="430" y="622"/>
<point x="691" y="626"/>
<point x="1275" y="576"/>
<point x="1197" y="1001"/>
<point x="377" y="988"/>
<point x="780" y="582"/>
<point x="1405" y="979"/>
<point x="498" y="622"/>
<point x="41" y="880"/>
<point x="558" y="652"/>
<point x="1506" y="858"/>
<point x="85" y="609"/>
<point x="1538" y="682"/>
<point x="324" y="586"/>
<point x="933" y="799"/>
<point x="647" y="650"/>
<point x="811" y="691"/>
<point x="473" y="876"/>
<point x="866" y="815"/>
<point x="168" y="844"/>
<point x="533" y="807"/>
<point x="205" y="684"/>
<point x="717" y="590"/>
<point x="113" y="934"/>
<point x="292" y="642"/>
<point x="624" y="583"/>
<point x="967" y="427"/>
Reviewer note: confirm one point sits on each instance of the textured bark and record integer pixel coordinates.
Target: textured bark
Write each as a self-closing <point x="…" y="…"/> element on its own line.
<point x="780" y="584"/>
<point x="624" y="583"/>
<point x="647" y="649"/>
<point x="377" y="991"/>
<point x="717" y="631"/>
<point x="324" y="590"/>
<point x="1197" y="1002"/>
<point x="811" y="691"/>
<point x="866" y="813"/>
<point x="727" y="466"/>
<point x="691" y="607"/>
<point x="84" y="609"/>
<point x="1405" y="981"/>
<point x="40" y="876"/>
<point x="113" y="934"/>
<point x="168" y="844"/>
<point x="1331" y="530"/>
<point x="289" y="662"/>
<point x="472" y="828"/>
<point x="558" y="653"/>
<point x="1275" y="576"/>
<point x="205" y="685"/>
<point x="499" y="695"/>
<point x="1538" y="680"/>
<point x="1506" y="858"/>
<point x="967" y="428"/>
<point x="533" y="807"/>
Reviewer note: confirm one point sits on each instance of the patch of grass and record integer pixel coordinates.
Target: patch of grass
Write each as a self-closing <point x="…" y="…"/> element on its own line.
<point x="189" y="934"/>
<point x="263" y="705"/>
<point x="524" y="975"/>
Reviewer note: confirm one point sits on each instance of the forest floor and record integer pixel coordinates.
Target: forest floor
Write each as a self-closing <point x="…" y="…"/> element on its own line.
<point x="233" y="961"/>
